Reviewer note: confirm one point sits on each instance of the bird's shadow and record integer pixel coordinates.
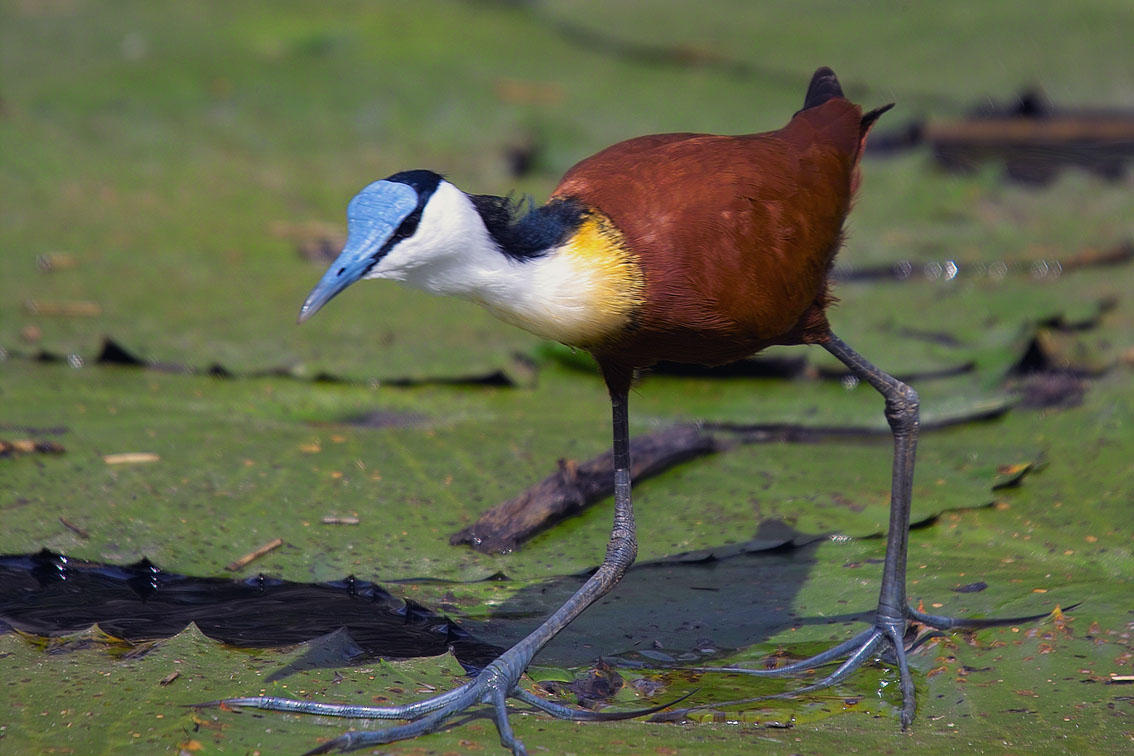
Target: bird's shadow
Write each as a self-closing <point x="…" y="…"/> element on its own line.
<point x="689" y="607"/>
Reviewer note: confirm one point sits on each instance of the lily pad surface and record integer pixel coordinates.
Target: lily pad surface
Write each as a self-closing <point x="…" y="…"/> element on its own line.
<point x="173" y="179"/>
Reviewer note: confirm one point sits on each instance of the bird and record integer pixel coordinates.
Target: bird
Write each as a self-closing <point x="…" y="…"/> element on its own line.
<point x="683" y="247"/>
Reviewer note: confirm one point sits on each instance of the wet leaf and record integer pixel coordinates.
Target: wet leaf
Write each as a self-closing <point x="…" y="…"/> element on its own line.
<point x="143" y="203"/>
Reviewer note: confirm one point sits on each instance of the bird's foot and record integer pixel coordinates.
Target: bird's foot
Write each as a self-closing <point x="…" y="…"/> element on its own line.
<point x="498" y="682"/>
<point x="888" y="635"/>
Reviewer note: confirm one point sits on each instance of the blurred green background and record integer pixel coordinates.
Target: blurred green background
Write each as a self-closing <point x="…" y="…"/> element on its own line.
<point x="168" y="170"/>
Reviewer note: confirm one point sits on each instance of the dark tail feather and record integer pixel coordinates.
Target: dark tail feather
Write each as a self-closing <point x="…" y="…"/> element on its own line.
<point x="824" y="86"/>
<point x="867" y="122"/>
<point x="868" y="119"/>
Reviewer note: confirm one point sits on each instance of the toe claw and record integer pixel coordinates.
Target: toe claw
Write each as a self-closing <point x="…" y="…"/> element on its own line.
<point x="941" y="622"/>
<point x="327" y="747"/>
<point x="206" y="704"/>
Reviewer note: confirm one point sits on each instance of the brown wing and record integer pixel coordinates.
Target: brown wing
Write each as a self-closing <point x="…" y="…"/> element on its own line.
<point x="735" y="234"/>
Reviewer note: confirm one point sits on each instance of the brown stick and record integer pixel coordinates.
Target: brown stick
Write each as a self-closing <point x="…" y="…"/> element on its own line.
<point x="68" y="309"/>
<point x="254" y="555"/>
<point x="575" y="485"/>
<point x="74" y="528"/>
<point x="29" y="446"/>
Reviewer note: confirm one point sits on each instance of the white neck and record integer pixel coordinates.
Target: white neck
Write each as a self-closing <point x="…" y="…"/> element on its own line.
<point x="556" y="295"/>
<point x="463" y="259"/>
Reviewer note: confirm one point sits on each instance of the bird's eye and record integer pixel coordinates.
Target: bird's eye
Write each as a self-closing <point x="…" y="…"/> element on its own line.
<point x="341" y="271"/>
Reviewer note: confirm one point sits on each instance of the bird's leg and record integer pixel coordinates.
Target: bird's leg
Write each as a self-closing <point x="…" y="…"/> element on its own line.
<point x="902" y="415"/>
<point x="499" y="680"/>
<point x="893" y="613"/>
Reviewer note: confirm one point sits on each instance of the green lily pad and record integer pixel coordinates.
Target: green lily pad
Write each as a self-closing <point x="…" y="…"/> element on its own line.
<point x="150" y="168"/>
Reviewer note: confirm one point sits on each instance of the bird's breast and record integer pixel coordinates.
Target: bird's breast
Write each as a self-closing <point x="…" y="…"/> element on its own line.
<point x="584" y="292"/>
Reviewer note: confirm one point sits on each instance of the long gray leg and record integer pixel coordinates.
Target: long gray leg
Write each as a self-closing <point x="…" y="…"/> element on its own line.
<point x="499" y="679"/>
<point x="902" y="415"/>
<point x="890" y="618"/>
<point x="893" y="612"/>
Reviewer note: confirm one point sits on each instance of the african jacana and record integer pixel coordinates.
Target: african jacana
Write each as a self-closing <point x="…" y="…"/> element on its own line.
<point x="682" y="247"/>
